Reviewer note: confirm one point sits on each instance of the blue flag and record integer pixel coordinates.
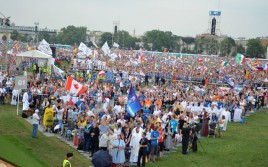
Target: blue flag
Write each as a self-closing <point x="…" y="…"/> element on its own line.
<point x="133" y="103"/>
<point x="230" y="82"/>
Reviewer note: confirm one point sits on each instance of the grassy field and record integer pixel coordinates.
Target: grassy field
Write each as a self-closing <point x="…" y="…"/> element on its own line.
<point x="243" y="145"/>
<point x="18" y="147"/>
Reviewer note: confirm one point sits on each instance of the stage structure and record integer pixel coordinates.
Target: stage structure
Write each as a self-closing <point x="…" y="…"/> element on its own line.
<point x="214" y="22"/>
<point x="115" y="37"/>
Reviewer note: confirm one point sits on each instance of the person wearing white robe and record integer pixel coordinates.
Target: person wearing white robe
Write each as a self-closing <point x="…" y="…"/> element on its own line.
<point x="112" y="136"/>
<point x="184" y="105"/>
<point x="227" y="115"/>
<point x="106" y="104"/>
<point x="117" y="108"/>
<point x="157" y="111"/>
<point x="134" y="144"/>
<point x="14" y="97"/>
<point x="214" y="109"/>
<point x="237" y="114"/>
<point x="25" y="101"/>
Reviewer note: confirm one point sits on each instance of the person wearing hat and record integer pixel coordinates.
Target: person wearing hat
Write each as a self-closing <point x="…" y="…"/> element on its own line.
<point x="35" y="122"/>
<point x="66" y="162"/>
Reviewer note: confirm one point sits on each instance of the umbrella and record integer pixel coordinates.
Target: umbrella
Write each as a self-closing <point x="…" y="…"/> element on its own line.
<point x="101" y="159"/>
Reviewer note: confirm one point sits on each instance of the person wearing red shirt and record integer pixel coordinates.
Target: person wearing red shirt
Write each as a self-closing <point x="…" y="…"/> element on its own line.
<point x="161" y="140"/>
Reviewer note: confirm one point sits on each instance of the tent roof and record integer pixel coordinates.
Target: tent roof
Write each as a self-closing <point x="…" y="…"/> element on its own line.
<point x="34" y="54"/>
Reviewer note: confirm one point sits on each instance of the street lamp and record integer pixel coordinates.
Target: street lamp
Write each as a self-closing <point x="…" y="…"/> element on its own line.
<point x="36" y="31"/>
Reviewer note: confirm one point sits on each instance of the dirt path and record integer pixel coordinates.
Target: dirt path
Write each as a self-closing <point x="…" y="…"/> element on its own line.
<point x="5" y="164"/>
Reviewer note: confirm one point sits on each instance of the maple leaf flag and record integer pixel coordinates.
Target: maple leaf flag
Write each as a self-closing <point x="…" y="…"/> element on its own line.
<point x="74" y="87"/>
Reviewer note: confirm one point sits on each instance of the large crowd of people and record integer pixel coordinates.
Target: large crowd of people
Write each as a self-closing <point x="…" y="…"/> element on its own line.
<point x="181" y="97"/>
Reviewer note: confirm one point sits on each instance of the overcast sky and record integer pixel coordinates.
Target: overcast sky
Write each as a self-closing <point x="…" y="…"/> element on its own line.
<point x="240" y="18"/>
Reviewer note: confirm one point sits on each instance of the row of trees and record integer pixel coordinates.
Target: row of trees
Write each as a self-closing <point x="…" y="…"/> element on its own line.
<point x="152" y="40"/>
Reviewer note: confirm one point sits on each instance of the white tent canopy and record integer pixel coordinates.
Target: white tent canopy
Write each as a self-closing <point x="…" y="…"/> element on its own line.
<point x="34" y="54"/>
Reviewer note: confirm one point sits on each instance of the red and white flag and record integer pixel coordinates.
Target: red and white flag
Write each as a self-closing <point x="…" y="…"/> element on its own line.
<point x="74" y="87"/>
<point x="101" y="74"/>
<point x="200" y="60"/>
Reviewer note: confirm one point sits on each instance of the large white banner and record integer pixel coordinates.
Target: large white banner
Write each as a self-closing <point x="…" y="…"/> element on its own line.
<point x="84" y="49"/>
<point x="106" y="48"/>
<point x="44" y="47"/>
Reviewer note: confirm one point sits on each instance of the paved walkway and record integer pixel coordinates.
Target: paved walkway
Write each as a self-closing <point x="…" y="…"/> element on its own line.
<point x="5" y="164"/>
<point x="86" y="154"/>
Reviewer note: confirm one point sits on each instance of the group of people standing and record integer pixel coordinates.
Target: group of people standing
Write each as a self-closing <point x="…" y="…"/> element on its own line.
<point x="173" y="109"/>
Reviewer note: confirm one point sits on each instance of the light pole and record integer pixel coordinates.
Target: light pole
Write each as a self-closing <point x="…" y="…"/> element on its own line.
<point x="36" y="32"/>
<point x="123" y="39"/>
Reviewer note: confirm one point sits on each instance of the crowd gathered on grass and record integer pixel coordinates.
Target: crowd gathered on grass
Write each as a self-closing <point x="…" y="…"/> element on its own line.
<point x="182" y="99"/>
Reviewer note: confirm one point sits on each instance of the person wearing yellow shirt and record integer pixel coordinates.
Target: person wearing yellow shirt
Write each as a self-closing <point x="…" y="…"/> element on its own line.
<point x="48" y="117"/>
<point x="66" y="162"/>
<point x="89" y="76"/>
<point x="82" y="123"/>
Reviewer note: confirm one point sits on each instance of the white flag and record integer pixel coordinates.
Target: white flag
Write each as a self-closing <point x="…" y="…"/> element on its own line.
<point x="84" y="49"/>
<point x="96" y="46"/>
<point x="106" y="48"/>
<point x="44" y="47"/>
<point x="113" y="56"/>
<point x="10" y="51"/>
<point x="57" y="70"/>
<point x="116" y="45"/>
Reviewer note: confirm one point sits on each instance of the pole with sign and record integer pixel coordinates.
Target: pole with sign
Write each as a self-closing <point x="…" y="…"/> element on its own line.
<point x="20" y="83"/>
<point x="18" y="102"/>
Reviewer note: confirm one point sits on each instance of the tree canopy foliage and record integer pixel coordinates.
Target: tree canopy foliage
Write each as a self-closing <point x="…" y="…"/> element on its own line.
<point x="255" y="49"/>
<point x="71" y="35"/>
<point x="158" y="39"/>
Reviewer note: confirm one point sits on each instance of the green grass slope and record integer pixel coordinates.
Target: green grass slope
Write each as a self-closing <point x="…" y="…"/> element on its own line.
<point x="18" y="147"/>
<point x="242" y="145"/>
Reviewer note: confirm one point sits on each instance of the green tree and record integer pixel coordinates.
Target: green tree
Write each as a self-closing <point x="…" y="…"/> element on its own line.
<point x="24" y="37"/>
<point x="15" y="35"/>
<point x="207" y="45"/>
<point x="44" y="35"/>
<point x="159" y="39"/>
<point x="125" y="40"/>
<point x="188" y="40"/>
<point x="71" y="35"/>
<point x="226" y="46"/>
<point x="255" y="49"/>
<point x="106" y="36"/>
<point x="240" y="49"/>
<point x="175" y="43"/>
